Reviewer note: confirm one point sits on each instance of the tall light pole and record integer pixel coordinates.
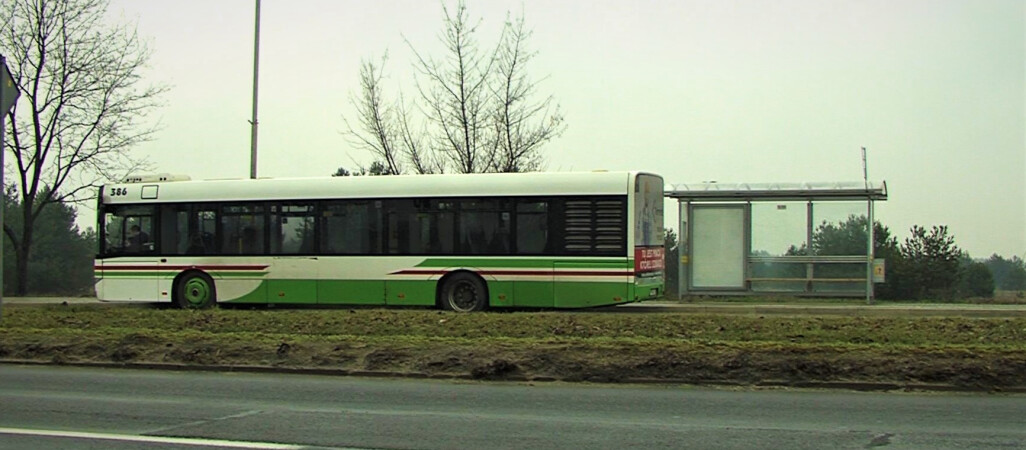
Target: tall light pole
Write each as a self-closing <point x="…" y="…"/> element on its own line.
<point x="256" y="77"/>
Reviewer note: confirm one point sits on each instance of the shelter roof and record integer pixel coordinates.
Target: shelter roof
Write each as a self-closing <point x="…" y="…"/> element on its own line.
<point x="833" y="190"/>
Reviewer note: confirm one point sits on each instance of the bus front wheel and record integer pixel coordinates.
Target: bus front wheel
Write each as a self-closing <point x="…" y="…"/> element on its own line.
<point x="195" y="290"/>
<point x="464" y="292"/>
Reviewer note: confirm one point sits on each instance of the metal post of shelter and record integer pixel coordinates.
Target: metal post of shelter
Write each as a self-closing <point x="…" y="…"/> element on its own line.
<point x="869" y="252"/>
<point x="869" y="228"/>
<point x="682" y="251"/>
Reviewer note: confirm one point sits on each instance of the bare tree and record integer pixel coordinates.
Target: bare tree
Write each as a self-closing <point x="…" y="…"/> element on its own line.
<point x="82" y="107"/>
<point x="424" y="160"/>
<point x="376" y="129"/>
<point x="522" y="124"/>
<point x="384" y="129"/>
<point x="480" y="110"/>
<point x="455" y="92"/>
<point x="377" y="168"/>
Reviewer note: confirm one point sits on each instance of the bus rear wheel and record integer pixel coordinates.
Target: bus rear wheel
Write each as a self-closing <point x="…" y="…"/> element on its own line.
<point x="195" y="290"/>
<point x="464" y="292"/>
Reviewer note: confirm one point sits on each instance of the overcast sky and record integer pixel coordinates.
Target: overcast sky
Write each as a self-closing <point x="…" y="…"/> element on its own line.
<point x="732" y="91"/>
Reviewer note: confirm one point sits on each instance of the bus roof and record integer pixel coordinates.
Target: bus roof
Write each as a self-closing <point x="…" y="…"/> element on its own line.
<point x="445" y="185"/>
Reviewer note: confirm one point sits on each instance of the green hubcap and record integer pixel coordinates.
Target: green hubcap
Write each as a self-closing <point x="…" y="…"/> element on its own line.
<point x="197" y="292"/>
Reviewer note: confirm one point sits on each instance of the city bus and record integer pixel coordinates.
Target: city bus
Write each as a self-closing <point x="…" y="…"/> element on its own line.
<point x="457" y="242"/>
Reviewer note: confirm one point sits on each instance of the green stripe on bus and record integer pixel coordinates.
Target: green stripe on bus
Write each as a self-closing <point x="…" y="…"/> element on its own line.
<point x="422" y="292"/>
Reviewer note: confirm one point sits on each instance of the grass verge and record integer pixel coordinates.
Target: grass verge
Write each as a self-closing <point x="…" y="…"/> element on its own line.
<point x="573" y="346"/>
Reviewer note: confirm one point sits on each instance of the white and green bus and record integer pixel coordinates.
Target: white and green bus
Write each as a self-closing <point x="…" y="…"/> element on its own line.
<point x="459" y="242"/>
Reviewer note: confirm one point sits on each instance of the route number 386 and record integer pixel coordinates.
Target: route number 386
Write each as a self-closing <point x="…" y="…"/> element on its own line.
<point x="115" y="192"/>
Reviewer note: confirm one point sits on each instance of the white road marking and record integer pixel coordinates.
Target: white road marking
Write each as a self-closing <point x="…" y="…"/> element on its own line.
<point x="150" y="439"/>
<point x="168" y="429"/>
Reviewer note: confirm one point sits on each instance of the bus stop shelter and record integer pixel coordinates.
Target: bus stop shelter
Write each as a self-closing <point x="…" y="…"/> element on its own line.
<point x="786" y="238"/>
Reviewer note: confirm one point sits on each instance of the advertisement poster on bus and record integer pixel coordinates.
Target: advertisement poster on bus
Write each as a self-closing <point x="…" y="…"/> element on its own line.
<point x="648" y="212"/>
<point x="648" y="223"/>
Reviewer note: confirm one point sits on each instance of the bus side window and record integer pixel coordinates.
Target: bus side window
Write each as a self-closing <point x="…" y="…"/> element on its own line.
<point x="293" y="229"/>
<point x="202" y="231"/>
<point x="483" y="227"/>
<point x="350" y="227"/>
<point x="532" y="227"/>
<point x="242" y="229"/>
<point x="174" y="227"/>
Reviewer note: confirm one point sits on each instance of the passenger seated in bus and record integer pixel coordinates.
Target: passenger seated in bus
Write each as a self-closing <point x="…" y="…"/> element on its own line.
<point x="137" y="239"/>
<point x="250" y="243"/>
<point x="196" y="246"/>
<point x="499" y="243"/>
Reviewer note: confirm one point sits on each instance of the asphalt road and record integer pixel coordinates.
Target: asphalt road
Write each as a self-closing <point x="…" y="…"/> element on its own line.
<point x="63" y="407"/>
<point x="845" y="309"/>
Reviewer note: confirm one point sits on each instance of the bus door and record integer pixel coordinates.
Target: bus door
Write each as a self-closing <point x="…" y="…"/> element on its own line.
<point x="294" y="265"/>
<point x="129" y="254"/>
<point x="294" y="280"/>
<point x="349" y="230"/>
<point x="172" y="234"/>
<point x="536" y="285"/>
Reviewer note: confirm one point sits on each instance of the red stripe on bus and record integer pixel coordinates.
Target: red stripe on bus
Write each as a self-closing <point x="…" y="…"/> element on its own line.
<point x="181" y="267"/>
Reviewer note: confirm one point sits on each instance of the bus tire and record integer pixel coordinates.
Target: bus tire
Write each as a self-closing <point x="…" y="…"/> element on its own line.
<point x="463" y="292"/>
<point x="195" y="290"/>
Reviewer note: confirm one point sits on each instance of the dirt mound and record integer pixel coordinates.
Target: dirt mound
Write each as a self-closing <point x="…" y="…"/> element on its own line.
<point x="974" y="354"/>
<point x="497" y="369"/>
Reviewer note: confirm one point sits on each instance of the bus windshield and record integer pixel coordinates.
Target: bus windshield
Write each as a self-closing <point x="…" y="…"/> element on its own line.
<point x="128" y="230"/>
